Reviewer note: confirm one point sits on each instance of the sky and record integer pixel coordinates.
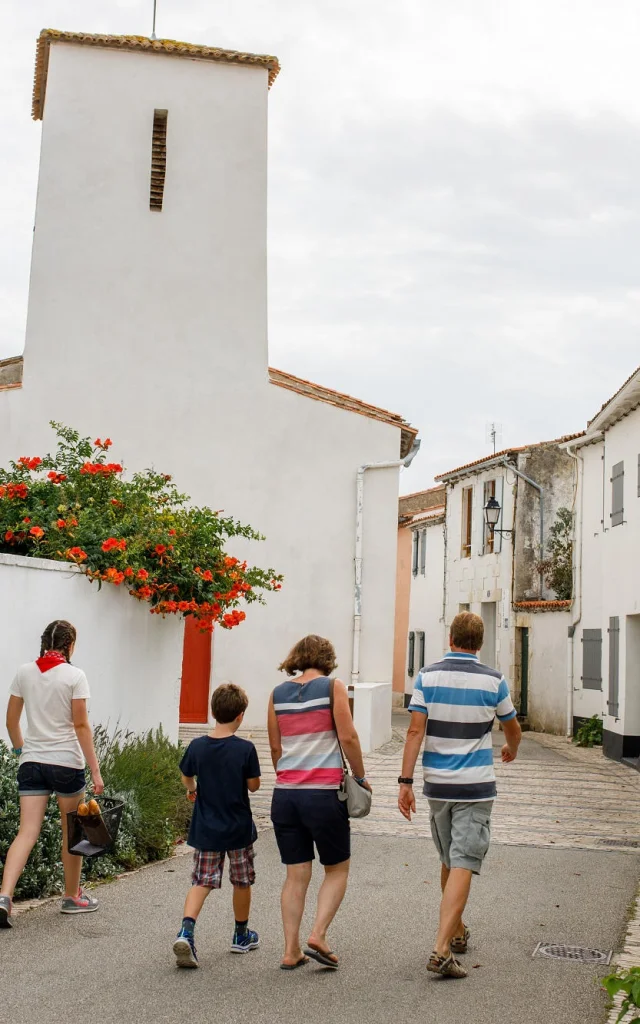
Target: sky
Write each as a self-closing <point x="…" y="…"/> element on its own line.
<point x="454" y="199"/>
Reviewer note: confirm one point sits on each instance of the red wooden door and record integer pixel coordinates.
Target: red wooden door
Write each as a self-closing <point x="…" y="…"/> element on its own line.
<point x="196" y="673"/>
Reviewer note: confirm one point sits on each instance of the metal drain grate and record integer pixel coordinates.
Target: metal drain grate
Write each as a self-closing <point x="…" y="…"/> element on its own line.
<point x="626" y="844"/>
<point x="578" y="954"/>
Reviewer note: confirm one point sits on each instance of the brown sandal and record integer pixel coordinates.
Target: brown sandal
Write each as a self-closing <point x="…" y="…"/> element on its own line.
<point x="446" y="966"/>
<point x="460" y="943"/>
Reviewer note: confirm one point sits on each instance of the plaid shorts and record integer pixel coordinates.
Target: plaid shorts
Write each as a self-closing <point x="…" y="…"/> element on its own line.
<point x="208" y="865"/>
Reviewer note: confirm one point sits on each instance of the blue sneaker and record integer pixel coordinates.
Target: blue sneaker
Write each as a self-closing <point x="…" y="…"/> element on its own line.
<point x="244" y="942"/>
<point x="185" y="950"/>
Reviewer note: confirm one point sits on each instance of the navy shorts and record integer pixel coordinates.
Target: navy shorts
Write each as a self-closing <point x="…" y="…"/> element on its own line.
<point x="36" y="779"/>
<point x="302" y="817"/>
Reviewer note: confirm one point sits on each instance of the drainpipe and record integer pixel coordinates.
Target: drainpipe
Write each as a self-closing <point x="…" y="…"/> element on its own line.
<point x="540" y="491"/>
<point x="576" y="614"/>
<point x="357" y="596"/>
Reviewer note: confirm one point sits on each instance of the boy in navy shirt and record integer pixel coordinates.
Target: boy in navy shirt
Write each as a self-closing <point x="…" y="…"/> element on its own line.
<point x="227" y="770"/>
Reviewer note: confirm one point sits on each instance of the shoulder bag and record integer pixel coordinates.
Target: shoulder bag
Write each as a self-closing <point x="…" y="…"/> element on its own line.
<point x="358" y="799"/>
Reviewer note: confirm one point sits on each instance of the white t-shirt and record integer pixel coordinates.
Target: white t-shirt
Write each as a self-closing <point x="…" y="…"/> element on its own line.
<point x="50" y="737"/>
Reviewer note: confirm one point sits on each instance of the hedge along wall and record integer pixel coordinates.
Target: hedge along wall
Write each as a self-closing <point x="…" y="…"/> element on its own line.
<point x="133" y="660"/>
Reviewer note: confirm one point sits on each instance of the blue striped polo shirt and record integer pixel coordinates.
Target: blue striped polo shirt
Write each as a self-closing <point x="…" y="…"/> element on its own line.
<point x="461" y="698"/>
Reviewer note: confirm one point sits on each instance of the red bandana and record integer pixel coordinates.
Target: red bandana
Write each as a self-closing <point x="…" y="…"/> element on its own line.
<point x="50" y="660"/>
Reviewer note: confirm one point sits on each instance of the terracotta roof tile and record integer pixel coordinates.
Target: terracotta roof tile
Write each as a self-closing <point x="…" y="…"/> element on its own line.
<point x="342" y="401"/>
<point x="137" y="44"/>
<point x="613" y="397"/>
<point x="507" y="452"/>
<point x="541" y="606"/>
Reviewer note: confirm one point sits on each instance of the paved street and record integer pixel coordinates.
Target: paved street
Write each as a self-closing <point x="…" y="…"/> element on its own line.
<point x="549" y="877"/>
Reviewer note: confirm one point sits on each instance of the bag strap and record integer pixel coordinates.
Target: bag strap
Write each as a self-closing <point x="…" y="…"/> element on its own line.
<point x="344" y="760"/>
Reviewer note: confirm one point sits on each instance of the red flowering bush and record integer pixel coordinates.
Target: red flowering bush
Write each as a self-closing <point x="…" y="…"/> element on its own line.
<point x="140" y="533"/>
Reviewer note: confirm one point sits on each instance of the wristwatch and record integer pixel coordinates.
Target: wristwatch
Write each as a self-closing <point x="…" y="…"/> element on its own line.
<point x="405" y="782"/>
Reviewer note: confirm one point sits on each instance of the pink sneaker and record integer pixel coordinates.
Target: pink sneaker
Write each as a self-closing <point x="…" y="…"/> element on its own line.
<point x="83" y="903"/>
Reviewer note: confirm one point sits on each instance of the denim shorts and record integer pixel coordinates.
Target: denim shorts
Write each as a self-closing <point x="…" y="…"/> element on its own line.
<point x="302" y="817"/>
<point x="36" y="779"/>
<point x="461" y="832"/>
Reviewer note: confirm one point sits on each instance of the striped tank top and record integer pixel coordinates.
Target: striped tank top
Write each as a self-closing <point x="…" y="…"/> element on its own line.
<point x="310" y="751"/>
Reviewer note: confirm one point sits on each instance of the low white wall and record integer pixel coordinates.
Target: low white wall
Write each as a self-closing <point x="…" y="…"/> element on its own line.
<point x="547" y="710"/>
<point x="132" y="659"/>
<point x="372" y="714"/>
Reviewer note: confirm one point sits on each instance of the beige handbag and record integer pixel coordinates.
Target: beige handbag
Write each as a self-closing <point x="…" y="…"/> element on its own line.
<point x="358" y="798"/>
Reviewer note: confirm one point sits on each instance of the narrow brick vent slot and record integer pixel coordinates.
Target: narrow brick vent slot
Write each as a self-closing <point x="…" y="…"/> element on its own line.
<point x="158" y="159"/>
<point x="577" y="954"/>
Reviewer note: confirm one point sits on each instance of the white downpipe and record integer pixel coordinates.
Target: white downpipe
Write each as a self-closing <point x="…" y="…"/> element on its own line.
<point x="357" y="596"/>
<point x="577" y="601"/>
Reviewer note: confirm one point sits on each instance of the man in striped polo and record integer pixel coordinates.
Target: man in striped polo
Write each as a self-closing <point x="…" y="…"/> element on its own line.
<point x="456" y="702"/>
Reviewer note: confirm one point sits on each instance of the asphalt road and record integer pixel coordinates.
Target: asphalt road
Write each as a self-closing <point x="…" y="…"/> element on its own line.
<point x="117" y="965"/>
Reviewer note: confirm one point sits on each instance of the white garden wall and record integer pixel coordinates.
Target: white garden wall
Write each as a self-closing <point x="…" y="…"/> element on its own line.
<point x="132" y="659"/>
<point x="548" y="633"/>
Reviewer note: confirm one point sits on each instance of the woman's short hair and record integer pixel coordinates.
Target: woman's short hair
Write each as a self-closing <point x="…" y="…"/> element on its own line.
<point x="311" y="652"/>
<point x="467" y="631"/>
<point x="58" y="636"/>
<point x="227" y="702"/>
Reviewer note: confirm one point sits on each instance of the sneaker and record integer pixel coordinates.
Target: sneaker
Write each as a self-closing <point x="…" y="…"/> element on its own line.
<point x="244" y="942"/>
<point x="83" y="903"/>
<point x="185" y="950"/>
<point x="460" y="943"/>
<point x="446" y="966"/>
<point x="5" y="912"/>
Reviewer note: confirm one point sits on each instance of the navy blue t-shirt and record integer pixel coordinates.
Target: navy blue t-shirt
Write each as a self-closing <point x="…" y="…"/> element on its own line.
<point x="221" y="813"/>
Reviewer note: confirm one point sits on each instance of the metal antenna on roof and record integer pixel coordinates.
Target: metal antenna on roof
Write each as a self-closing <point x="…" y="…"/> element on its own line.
<point x="494" y="435"/>
<point x="153" y="30"/>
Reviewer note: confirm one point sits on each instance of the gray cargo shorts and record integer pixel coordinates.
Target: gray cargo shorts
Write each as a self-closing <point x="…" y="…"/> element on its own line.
<point x="461" y="832"/>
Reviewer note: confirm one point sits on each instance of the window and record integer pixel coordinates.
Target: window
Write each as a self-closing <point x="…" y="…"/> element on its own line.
<point x="617" y="494"/>
<point x="421" y="648"/>
<point x="158" y="159"/>
<point x="416" y="553"/>
<point x="488" y="536"/>
<point x="423" y="553"/>
<point x="412" y="654"/>
<point x="592" y="659"/>
<point x="614" y="665"/>
<point x="467" y="513"/>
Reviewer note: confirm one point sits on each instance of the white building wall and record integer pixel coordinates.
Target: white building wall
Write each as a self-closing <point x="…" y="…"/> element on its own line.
<point x="547" y="697"/>
<point x="610" y="583"/>
<point x="151" y="327"/>
<point x="482" y="579"/>
<point x="132" y="659"/>
<point x="426" y="600"/>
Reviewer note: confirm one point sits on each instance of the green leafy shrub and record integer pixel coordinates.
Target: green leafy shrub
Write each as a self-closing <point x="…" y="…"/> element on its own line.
<point x="140" y="534"/>
<point x="143" y="771"/>
<point x="589" y="734"/>
<point x="558" y="567"/>
<point x="627" y="982"/>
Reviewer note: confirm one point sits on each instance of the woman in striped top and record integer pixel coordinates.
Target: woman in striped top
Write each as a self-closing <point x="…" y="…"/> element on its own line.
<point x="305" y="738"/>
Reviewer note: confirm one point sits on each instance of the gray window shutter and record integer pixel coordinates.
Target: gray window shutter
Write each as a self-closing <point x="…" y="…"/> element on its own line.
<point x="412" y="654"/>
<point x="423" y="552"/>
<point x="497" y="537"/>
<point x="614" y="665"/>
<point x="416" y="550"/>
<point x="421" y="649"/>
<point x="592" y="659"/>
<point x="617" y="494"/>
<point x="639" y="476"/>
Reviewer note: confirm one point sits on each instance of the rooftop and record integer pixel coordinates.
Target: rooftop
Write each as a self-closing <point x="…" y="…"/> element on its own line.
<point x="625" y="400"/>
<point x="507" y="453"/>
<point x="421" y="501"/>
<point x="138" y="44"/>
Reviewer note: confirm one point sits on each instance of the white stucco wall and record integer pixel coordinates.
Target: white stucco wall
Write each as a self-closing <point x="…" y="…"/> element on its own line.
<point x="610" y="583"/>
<point x="151" y="327"/>
<point x="482" y="578"/>
<point x="132" y="659"/>
<point x="547" y="698"/>
<point x="426" y="600"/>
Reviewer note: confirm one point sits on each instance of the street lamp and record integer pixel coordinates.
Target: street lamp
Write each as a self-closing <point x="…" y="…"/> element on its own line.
<point x="492" y="512"/>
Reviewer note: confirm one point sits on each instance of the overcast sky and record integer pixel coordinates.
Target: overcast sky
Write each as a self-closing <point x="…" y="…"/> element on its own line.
<point x="454" y="222"/>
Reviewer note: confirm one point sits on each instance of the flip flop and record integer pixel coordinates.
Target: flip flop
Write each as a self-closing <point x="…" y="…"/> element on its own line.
<point x="291" y="967"/>
<point x="322" y="958"/>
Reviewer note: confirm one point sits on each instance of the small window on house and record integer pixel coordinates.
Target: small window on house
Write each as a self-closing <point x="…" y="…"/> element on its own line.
<point x="415" y="558"/>
<point x="467" y="514"/>
<point x="158" y="159"/>
<point x="617" y="494"/>
<point x="411" y="664"/>
<point x="421" y="649"/>
<point x="423" y="553"/>
<point x="489" y="492"/>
